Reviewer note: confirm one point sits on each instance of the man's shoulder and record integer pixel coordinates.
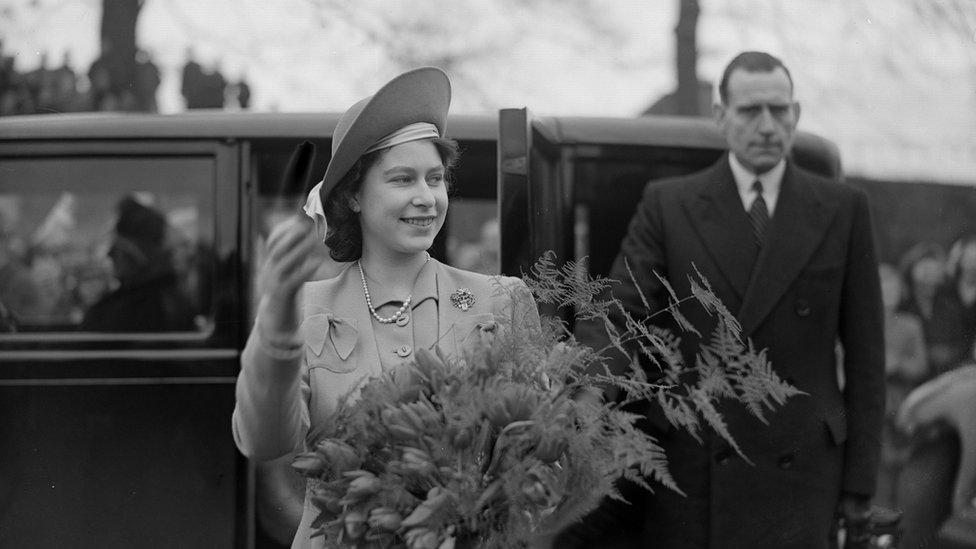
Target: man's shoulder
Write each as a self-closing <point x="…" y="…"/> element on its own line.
<point x="689" y="183"/>
<point x="831" y="188"/>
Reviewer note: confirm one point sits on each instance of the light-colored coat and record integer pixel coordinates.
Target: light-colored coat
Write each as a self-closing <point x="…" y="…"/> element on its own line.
<point x="285" y="405"/>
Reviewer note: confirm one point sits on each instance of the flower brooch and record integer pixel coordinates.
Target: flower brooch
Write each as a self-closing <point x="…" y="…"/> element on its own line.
<point x="463" y="299"/>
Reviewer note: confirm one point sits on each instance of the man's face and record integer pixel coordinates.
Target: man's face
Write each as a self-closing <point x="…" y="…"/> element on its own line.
<point x="760" y="118"/>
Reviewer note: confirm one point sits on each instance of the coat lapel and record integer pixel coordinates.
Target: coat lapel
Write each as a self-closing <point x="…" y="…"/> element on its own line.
<point x="718" y="217"/>
<point x="798" y="226"/>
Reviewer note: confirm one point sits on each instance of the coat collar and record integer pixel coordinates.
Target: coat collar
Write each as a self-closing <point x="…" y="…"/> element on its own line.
<point x="718" y="217"/>
<point x="424" y="287"/>
<point x="796" y="229"/>
<point x="341" y="299"/>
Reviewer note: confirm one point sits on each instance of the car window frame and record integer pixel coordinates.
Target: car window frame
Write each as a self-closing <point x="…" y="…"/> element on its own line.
<point x="224" y="190"/>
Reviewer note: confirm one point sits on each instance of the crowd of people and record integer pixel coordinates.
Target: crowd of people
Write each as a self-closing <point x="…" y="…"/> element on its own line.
<point x="930" y="329"/>
<point x="104" y="87"/>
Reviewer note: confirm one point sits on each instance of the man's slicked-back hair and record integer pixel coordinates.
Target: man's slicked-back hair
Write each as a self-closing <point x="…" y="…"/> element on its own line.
<point x="750" y="61"/>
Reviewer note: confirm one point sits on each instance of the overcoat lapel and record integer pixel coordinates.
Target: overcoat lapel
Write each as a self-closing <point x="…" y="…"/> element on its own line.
<point x="717" y="215"/>
<point x="799" y="224"/>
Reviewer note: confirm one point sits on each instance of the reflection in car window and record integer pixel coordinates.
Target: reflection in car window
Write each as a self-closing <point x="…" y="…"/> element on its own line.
<point x="106" y="244"/>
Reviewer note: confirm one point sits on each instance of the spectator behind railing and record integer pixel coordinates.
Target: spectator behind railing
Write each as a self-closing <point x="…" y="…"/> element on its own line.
<point x="906" y="365"/>
<point x="924" y="270"/>
<point x="44" y="90"/>
<point x="961" y="296"/>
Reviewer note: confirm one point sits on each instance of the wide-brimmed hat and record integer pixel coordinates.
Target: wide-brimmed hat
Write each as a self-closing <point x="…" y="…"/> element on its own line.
<point x="420" y="95"/>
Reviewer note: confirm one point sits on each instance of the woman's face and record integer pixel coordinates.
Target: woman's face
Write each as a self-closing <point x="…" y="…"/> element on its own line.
<point x="403" y="200"/>
<point x="927" y="274"/>
<point x="890" y="288"/>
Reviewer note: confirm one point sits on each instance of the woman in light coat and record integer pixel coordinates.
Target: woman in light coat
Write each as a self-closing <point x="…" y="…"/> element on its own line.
<point x="384" y="196"/>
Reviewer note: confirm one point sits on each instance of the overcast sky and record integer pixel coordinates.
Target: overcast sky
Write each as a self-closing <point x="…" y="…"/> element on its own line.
<point x="898" y="94"/>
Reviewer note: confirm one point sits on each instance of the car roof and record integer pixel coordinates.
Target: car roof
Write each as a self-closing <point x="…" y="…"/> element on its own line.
<point x="661" y="131"/>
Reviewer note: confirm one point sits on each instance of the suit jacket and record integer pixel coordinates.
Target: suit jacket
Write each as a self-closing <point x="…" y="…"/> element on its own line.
<point x="285" y="405"/>
<point x="813" y="284"/>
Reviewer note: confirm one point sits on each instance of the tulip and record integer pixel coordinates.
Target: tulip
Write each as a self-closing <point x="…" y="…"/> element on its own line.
<point x="362" y="486"/>
<point x="421" y="538"/>
<point x="340" y="455"/>
<point x="355" y="523"/>
<point x="417" y="460"/>
<point x="384" y="518"/>
<point x="310" y="463"/>
<point x="437" y="499"/>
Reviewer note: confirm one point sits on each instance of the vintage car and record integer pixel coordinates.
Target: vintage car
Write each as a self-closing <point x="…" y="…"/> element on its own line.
<point x="117" y="436"/>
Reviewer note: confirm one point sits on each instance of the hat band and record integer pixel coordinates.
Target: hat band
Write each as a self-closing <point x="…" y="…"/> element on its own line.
<point x="410" y="132"/>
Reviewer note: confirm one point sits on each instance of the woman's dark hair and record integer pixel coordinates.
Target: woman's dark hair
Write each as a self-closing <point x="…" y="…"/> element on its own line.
<point x="345" y="235"/>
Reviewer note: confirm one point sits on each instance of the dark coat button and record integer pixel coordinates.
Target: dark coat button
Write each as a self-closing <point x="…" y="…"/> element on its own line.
<point x="802" y="307"/>
<point x="786" y="461"/>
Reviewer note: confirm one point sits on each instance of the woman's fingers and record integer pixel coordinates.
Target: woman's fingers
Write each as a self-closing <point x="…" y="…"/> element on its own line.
<point x="291" y="245"/>
<point x="288" y="234"/>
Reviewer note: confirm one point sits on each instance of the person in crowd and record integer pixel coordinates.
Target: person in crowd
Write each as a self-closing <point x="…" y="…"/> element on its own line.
<point x="379" y="206"/>
<point x="102" y="96"/>
<point x="960" y="297"/>
<point x="906" y="366"/>
<point x="148" y="297"/>
<point x="791" y="254"/>
<point x="243" y="92"/>
<point x="933" y="296"/>
<point x="147" y="82"/>
<point x="191" y="81"/>
<point x="923" y="267"/>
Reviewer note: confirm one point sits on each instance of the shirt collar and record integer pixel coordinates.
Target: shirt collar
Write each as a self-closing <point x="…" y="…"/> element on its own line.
<point x="771" y="181"/>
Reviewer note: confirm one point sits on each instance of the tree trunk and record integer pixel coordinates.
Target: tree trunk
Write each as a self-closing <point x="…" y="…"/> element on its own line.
<point x="118" y="40"/>
<point x="686" y="56"/>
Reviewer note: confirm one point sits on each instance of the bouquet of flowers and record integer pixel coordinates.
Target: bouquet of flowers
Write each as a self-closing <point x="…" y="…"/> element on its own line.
<point x="493" y="446"/>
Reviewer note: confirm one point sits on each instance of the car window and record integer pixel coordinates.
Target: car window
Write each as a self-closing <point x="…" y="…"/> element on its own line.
<point x="608" y="187"/>
<point x="473" y="235"/>
<point x="106" y="244"/>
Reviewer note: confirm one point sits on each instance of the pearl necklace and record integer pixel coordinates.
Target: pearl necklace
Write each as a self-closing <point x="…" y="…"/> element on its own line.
<point x="369" y="302"/>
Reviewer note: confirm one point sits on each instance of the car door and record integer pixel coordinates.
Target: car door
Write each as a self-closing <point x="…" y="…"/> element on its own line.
<point x="119" y="343"/>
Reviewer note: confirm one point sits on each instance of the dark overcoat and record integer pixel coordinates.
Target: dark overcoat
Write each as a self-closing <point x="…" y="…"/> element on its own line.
<point x="811" y="286"/>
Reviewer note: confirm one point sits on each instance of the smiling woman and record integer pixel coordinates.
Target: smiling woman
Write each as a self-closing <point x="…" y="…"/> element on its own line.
<point x="382" y="201"/>
<point x="410" y="180"/>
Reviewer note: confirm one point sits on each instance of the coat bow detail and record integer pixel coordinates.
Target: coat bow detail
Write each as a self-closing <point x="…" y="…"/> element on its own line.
<point x="342" y="332"/>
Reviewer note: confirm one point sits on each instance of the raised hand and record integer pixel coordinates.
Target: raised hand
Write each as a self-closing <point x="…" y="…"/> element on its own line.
<point x="295" y="253"/>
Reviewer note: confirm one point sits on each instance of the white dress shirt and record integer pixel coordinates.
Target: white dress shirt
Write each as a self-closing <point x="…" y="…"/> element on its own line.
<point x="771" y="181"/>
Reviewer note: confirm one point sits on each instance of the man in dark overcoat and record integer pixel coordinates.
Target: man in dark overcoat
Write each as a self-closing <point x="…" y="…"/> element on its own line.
<point x="792" y="255"/>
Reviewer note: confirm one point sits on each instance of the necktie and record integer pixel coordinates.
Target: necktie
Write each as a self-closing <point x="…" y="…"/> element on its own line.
<point x="759" y="214"/>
